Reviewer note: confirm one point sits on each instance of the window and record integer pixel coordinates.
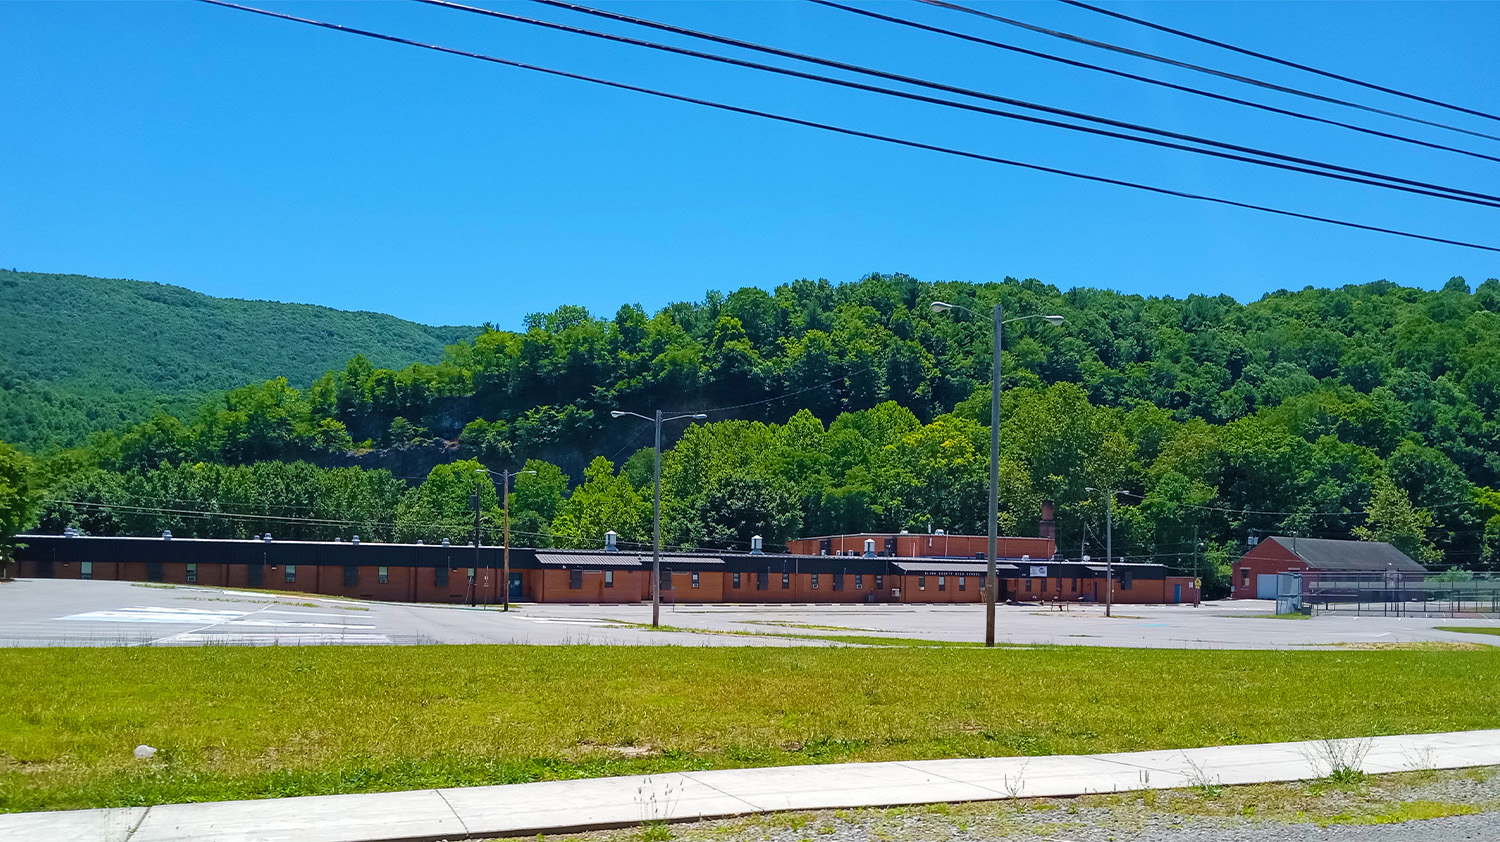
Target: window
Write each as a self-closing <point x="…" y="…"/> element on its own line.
<point x="695" y="579"/>
<point x="1028" y="585"/>
<point x="192" y="573"/>
<point x="736" y="580"/>
<point x="575" y="579"/>
<point x="609" y="578"/>
<point x="384" y="576"/>
<point x="1075" y="584"/>
<point x="291" y="573"/>
<point x="786" y="581"/>
<point x="942" y="583"/>
<point x="879" y="583"/>
<point x="471" y="575"/>
<point x="963" y="583"/>
<point x="1244" y="577"/>
<point x="85" y="570"/>
<point x="665" y="582"/>
<point x="815" y="581"/>
<point x="921" y="583"/>
<point x="838" y="581"/>
<point x="763" y="580"/>
<point x="351" y="575"/>
<point x="440" y="577"/>
<point x="1126" y="580"/>
<point x="859" y="581"/>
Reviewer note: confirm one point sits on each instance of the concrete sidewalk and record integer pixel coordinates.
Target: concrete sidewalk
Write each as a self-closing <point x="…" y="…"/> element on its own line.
<point x="569" y="806"/>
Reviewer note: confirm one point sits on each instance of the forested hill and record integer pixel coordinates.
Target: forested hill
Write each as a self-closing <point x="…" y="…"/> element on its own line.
<point x="1366" y="411"/>
<point x="80" y="354"/>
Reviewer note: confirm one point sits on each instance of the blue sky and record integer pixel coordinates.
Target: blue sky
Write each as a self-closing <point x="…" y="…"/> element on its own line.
<point x="246" y="157"/>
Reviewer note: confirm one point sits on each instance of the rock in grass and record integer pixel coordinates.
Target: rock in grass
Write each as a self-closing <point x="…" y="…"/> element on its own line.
<point x="144" y="752"/>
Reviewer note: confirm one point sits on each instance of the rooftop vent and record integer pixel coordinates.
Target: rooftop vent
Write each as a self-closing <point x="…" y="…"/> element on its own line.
<point x="610" y="538"/>
<point x="869" y="547"/>
<point x="354" y="540"/>
<point x="166" y="534"/>
<point x="756" y="545"/>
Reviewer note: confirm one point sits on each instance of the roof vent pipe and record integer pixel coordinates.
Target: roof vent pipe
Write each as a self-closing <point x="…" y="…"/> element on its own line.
<point x="445" y="542"/>
<point x="938" y="532"/>
<point x="609" y="542"/>
<point x="267" y="537"/>
<point x="166" y="534"/>
<point x="354" y="540"/>
<point x="756" y="543"/>
<point x="869" y="547"/>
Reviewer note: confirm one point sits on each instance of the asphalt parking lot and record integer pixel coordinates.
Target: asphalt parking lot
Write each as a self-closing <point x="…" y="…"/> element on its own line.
<point x="46" y="612"/>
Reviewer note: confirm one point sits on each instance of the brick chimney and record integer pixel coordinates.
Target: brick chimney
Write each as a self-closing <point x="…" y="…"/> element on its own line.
<point x="1047" y="527"/>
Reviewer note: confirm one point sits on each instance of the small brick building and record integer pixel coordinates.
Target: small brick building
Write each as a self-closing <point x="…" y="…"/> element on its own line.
<point x="1255" y="572"/>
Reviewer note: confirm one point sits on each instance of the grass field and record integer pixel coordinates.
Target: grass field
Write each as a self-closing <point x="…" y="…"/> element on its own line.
<point x="1471" y="629"/>
<point x="259" y="722"/>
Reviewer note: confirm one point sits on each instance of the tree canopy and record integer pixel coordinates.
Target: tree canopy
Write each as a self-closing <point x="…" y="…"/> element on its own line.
<point x="854" y="407"/>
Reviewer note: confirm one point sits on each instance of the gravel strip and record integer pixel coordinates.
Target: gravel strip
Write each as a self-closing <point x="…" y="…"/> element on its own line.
<point x="1426" y="806"/>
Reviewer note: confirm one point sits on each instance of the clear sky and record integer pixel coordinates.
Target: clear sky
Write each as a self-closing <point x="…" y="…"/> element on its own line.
<point x="247" y="157"/>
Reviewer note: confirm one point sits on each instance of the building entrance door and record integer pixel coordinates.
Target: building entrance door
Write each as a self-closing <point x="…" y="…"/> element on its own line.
<point x="257" y="575"/>
<point x="1176" y="594"/>
<point x="1265" y="585"/>
<point x="515" y="586"/>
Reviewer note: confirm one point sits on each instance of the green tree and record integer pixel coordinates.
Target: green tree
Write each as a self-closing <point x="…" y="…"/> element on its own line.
<point x="19" y="502"/>
<point x="603" y="502"/>
<point x="1390" y="517"/>
<point x="441" y="506"/>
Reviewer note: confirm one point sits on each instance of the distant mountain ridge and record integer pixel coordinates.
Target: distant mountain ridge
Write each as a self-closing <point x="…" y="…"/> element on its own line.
<point x="79" y="354"/>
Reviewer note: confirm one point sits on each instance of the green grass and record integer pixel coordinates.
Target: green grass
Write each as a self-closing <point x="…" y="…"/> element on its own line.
<point x="260" y="722"/>
<point x="1471" y="629"/>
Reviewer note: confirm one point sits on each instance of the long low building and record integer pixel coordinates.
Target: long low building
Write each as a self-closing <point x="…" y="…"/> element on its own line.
<point x="464" y="574"/>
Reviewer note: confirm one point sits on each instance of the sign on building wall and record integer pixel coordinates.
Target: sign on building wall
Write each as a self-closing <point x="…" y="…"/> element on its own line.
<point x="1038" y="571"/>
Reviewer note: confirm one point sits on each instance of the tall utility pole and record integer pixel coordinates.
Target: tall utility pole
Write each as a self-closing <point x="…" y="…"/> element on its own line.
<point x="1197" y="583"/>
<point x="474" y="579"/>
<point x="656" y="506"/>
<point x="1109" y="550"/>
<point x="505" y="476"/>
<point x="1109" y="554"/>
<point x="991" y="583"/>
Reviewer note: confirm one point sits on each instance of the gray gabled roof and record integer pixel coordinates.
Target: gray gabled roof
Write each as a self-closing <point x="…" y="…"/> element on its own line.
<point x="1329" y="554"/>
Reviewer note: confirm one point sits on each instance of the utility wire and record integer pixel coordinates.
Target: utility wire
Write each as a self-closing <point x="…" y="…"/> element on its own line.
<point x="912" y="144"/>
<point x="1077" y="39"/>
<point x="1281" y="61"/>
<point x="1451" y="193"/>
<point x="1149" y="80"/>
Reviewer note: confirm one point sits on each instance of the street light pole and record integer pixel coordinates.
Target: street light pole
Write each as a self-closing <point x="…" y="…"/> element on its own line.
<point x="991" y="579"/>
<point x="1109" y="554"/>
<point x="505" y="476"/>
<point x="656" y="505"/>
<point x="1109" y="550"/>
<point x="990" y="583"/>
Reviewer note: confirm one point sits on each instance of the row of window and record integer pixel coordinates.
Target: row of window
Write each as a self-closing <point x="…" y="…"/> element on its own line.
<point x="575" y="579"/>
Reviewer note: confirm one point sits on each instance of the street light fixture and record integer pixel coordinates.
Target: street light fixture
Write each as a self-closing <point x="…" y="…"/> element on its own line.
<point x="505" y="496"/>
<point x="656" y="505"/>
<point x="990" y="583"/>
<point x="1109" y="550"/>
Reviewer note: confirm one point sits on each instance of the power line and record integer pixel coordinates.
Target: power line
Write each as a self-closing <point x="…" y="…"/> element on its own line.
<point x="1281" y="61"/>
<point x="1150" y="81"/>
<point x="1451" y="193"/>
<point x="912" y="144"/>
<point x="1103" y="45"/>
